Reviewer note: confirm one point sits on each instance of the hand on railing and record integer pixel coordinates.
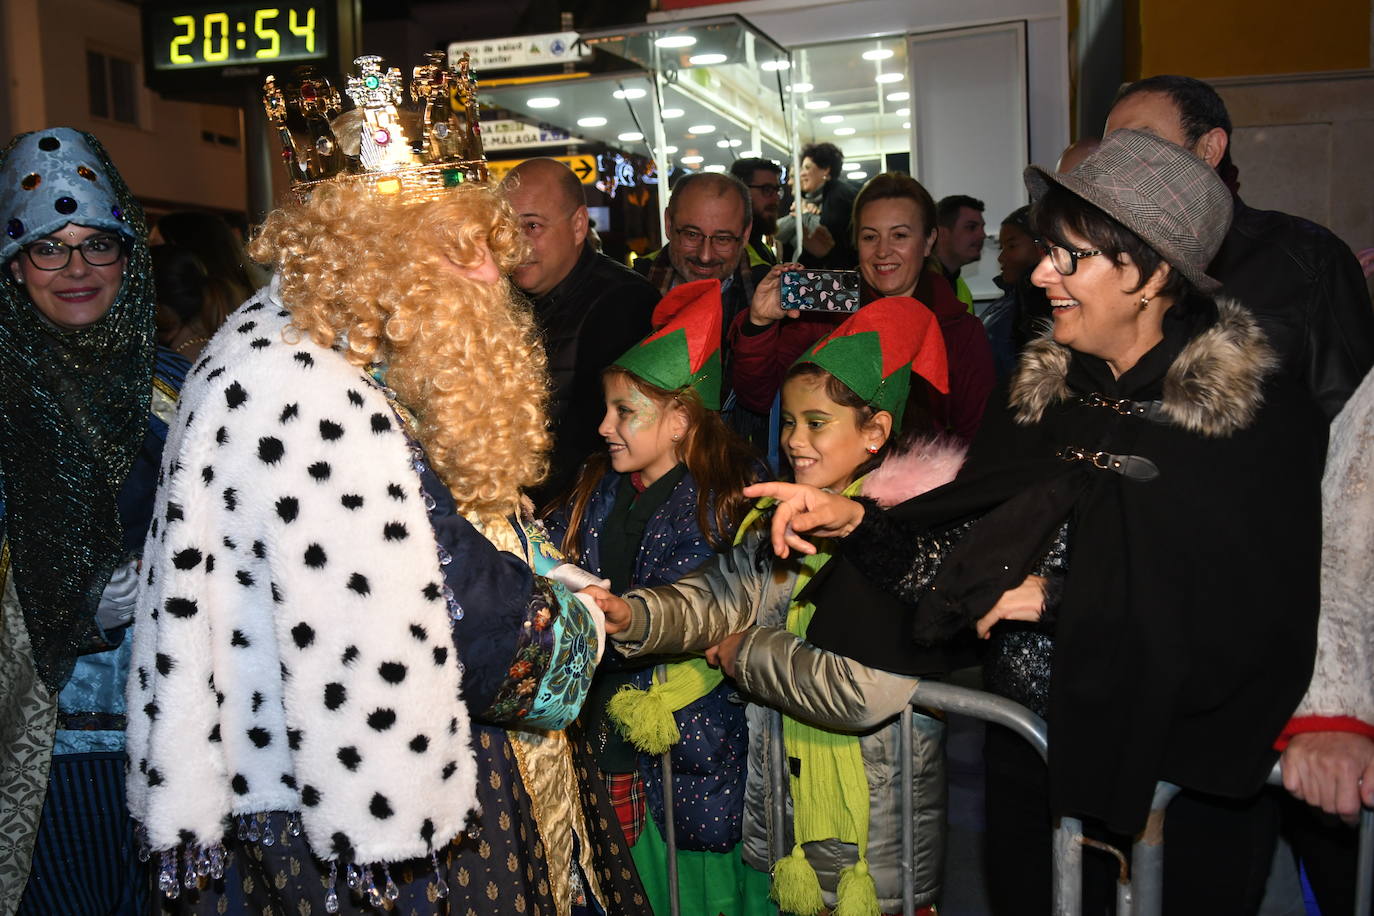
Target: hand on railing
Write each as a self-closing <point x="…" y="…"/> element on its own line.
<point x="1331" y="770"/>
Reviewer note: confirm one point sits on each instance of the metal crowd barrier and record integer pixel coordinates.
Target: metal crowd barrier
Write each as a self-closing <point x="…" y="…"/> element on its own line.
<point x="1140" y="888"/>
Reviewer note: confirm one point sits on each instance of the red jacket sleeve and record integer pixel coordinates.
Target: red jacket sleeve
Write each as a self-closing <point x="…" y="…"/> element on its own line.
<point x="759" y="362"/>
<point x="971" y="374"/>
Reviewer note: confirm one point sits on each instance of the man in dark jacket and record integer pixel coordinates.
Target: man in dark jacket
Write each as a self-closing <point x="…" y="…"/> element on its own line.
<point x="1301" y="282"/>
<point x="589" y="308"/>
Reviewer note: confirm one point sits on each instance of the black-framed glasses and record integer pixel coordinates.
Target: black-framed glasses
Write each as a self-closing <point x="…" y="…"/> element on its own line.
<point x="721" y="241"/>
<point x="767" y="190"/>
<point x="1065" y="260"/>
<point x="97" y="251"/>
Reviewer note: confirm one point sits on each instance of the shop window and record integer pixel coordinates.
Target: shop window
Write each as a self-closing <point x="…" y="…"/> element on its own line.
<point x="113" y="87"/>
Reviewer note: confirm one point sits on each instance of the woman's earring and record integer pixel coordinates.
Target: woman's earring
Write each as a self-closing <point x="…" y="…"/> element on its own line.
<point x="677" y="438"/>
<point x="871" y="449"/>
<point x="1144" y="303"/>
<point x="18" y="279"/>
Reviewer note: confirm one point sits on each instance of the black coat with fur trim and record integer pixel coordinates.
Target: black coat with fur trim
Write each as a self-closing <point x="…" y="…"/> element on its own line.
<point x="1186" y="630"/>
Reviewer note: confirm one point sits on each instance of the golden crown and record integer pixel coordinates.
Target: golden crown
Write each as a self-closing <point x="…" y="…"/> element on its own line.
<point x="416" y="148"/>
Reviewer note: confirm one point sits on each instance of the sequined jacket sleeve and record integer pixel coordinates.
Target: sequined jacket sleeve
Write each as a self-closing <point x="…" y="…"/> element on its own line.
<point x="899" y="558"/>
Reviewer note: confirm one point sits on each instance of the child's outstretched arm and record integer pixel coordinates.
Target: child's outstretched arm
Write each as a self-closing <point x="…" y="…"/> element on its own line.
<point x="811" y="684"/>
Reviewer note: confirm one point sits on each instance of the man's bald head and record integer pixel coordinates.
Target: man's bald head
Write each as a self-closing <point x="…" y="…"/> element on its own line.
<point x="548" y="201"/>
<point x="550" y="177"/>
<point x="1076" y="152"/>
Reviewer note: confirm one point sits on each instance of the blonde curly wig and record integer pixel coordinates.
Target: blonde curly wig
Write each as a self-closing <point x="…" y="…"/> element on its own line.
<point x="376" y="278"/>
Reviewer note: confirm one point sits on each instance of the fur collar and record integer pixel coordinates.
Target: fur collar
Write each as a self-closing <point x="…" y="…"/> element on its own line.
<point x="1214" y="388"/>
<point x="923" y="466"/>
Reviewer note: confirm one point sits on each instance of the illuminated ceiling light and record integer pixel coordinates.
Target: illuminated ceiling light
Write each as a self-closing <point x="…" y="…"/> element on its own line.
<point x="736" y="144"/>
<point x="701" y="129"/>
<point x="543" y="101"/>
<point x="594" y="121"/>
<point x="693" y="160"/>
<point x="843" y="131"/>
<point x="668" y="150"/>
<point x="856" y="176"/>
<point x="774" y="65"/>
<point x="878" y="54"/>
<point x="832" y="119"/>
<point x="898" y="96"/>
<point x="672" y="113"/>
<point x="630" y="136"/>
<point x="817" y="104"/>
<point x="906" y="125"/>
<point x="714" y="168"/>
<point x="888" y="78"/>
<point x="902" y="112"/>
<point x="675" y="41"/>
<point x="722" y="144"/>
<point x="750" y="154"/>
<point x="801" y="87"/>
<point x="706" y="60"/>
<point x="634" y="93"/>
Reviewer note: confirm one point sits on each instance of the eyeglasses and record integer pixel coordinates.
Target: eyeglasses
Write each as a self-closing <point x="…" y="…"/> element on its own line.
<point x="97" y="251"/>
<point x="767" y="190"/>
<point x="1065" y="260"/>
<point x="721" y="241"/>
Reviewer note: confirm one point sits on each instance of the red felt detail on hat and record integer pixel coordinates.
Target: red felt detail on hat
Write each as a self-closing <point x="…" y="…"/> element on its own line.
<point x="696" y="308"/>
<point x="908" y="332"/>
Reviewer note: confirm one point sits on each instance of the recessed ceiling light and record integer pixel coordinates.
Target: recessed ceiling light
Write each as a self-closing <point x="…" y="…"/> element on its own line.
<point x="736" y="144"/>
<point x="706" y="60"/>
<point x="856" y="176"/>
<point x="750" y="154"/>
<point x="672" y="113"/>
<point x="906" y="125"/>
<point x="543" y="101"/>
<point x="878" y="54"/>
<point x="630" y="136"/>
<point x="594" y="121"/>
<point x="669" y="150"/>
<point x="701" y="129"/>
<point x="843" y="131"/>
<point x="801" y="87"/>
<point x="888" y="78"/>
<point x="898" y="96"/>
<point x="692" y="160"/>
<point x="714" y="168"/>
<point x="634" y="93"/>
<point x="773" y="65"/>
<point x="817" y="104"/>
<point x="722" y="144"/>
<point x="828" y="119"/>
<point x="676" y="41"/>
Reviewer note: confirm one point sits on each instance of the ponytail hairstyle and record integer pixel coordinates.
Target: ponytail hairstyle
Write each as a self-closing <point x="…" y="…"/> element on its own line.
<point x="722" y="463"/>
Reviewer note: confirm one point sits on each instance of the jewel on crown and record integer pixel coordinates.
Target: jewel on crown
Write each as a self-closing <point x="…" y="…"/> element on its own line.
<point x="415" y="146"/>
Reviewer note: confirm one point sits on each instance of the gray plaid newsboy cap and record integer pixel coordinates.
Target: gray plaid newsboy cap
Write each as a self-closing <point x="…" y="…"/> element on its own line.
<point x="1170" y="198"/>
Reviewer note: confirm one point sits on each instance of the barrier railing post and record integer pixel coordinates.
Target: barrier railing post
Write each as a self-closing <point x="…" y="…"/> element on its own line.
<point x="1147" y="856"/>
<point x="669" y="825"/>
<point x="1364" y="878"/>
<point x="906" y="746"/>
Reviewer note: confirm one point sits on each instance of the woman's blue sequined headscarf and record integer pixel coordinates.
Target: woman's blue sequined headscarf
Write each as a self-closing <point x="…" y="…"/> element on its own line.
<point x="73" y="404"/>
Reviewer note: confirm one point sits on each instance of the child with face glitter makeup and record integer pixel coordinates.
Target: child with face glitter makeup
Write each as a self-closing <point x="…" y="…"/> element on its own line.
<point x="660" y="501"/>
<point x="843" y="403"/>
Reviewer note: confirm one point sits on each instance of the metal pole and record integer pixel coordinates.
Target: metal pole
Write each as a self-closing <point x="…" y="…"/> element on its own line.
<point x="1147" y="856"/>
<point x="906" y="749"/>
<point x="1364" y="877"/>
<point x="778" y="763"/>
<point x="1068" y="867"/>
<point x="669" y="827"/>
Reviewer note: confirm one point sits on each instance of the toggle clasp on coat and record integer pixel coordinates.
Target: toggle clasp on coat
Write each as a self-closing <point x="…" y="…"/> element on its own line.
<point x="1132" y="467"/>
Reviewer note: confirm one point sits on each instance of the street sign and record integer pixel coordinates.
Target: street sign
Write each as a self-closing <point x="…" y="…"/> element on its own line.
<point x="520" y="51"/>
<point x="512" y="134"/>
<point x="584" y="167"/>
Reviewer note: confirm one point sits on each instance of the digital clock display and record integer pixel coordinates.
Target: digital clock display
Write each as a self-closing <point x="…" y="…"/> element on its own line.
<point x="196" y="37"/>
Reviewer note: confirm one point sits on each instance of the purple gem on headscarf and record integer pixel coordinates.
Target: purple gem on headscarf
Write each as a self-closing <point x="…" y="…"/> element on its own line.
<point x="65" y="206"/>
<point x="117" y="213"/>
<point x="14" y="229"/>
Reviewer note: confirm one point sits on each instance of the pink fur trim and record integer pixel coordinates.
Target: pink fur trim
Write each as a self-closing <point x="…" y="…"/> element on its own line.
<point x="927" y="464"/>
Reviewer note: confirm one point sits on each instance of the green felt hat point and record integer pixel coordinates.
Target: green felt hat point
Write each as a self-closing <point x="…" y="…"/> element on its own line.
<point x="684" y="349"/>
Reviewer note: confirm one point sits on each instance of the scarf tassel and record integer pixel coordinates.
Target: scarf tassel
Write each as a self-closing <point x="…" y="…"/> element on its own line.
<point x="857" y="894"/>
<point x="645" y="719"/>
<point x="795" y="885"/>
